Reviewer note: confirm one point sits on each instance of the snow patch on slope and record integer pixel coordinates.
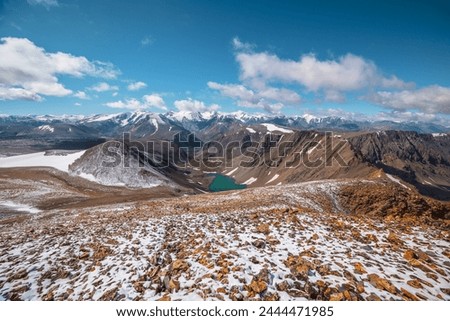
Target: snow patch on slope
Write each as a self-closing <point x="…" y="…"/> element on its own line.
<point x="273" y="178"/>
<point x="232" y="171"/>
<point x="395" y="180"/>
<point x="251" y="180"/>
<point x="308" y="118"/>
<point x="272" y="127"/>
<point x="46" y="128"/>
<point x="155" y="123"/>
<point x="19" y="207"/>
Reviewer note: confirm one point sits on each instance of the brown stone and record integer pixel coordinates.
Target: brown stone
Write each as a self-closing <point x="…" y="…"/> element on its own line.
<point x="273" y="296"/>
<point x="415" y="284"/>
<point x="180" y="265"/>
<point x="174" y="285"/>
<point x="439" y="270"/>
<point x="432" y="276"/>
<point x="425" y="282"/>
<point x="421" y="296"/>
<point x="337" y="297"/>
<point x="153" y="272"/>
<point x="296" y="293"/>
<point x="359" y="268"/>
<point x="381" y="283"/>
<point x="21" y="274"/>
<point x="360" y="287"/>
<point x="263" y="228"/>
<point x="387" y="286"/>
<point x="109" y="295"/>
<point x="423" y="256"/>
<point x="302" y="269"/>
<point x="260" y="244"/>
<point x="417" y="264"/>
<point x="282" y="286"/>
<point x="373" y="297"/>
<point x="321" y="283"/>
<point x="347" y="295"/>
<point x="371" y="238"/>
<point x="409" y="255"/>
<point x="139" y="286"/>
<point x="100" y="252"/>
<point x="446" y="290"/>
<point x="258" y="286"/>
<point x="393" y="238"/>
<point x="49" y="296"/>
<point x="408" y="295"/>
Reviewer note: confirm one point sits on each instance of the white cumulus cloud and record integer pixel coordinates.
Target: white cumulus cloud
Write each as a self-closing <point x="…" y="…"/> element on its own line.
<point x="45" y="3"/>
<point x="410" y="116"/>
<point x="103" y="86"/>
<point x="431" y="99"/>
<point x="194" y="105"/>
<point x="28" y="71"/>
<point x="154" y="100"/>
<point x="271" y="82"/>
<point x="347" y="73"/>
<point x="136" y="86"/>
<point x="241" y="46"/>
<point x="132" y="103"/>
<point x="18" y="94"/>
<point x="81" y="95"/>
<point x="147" y="101"/>
<point x="268" y="98"/>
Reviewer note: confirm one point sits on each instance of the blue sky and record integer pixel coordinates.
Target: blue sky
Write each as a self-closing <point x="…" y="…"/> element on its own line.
<point x="388" y="59"/>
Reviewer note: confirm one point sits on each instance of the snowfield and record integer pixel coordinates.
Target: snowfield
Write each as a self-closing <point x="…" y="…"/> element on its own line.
<point x="118" y="176"/>
<point x="40" y="159"/>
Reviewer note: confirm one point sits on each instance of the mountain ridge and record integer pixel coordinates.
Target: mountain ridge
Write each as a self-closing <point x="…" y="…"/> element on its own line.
<point x="194" y="119"/>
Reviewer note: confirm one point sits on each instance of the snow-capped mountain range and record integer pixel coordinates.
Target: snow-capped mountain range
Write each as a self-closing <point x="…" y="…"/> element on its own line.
<point x="143" y="124"/>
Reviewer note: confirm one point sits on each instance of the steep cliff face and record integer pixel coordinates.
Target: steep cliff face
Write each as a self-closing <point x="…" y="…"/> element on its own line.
<point x="419" y="159"/>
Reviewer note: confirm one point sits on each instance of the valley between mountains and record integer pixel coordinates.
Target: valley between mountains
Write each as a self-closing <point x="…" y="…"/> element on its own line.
<point x="345" y="210"/>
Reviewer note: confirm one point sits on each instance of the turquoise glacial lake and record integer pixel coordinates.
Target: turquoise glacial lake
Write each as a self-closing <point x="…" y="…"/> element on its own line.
<point x="224" y="183"/>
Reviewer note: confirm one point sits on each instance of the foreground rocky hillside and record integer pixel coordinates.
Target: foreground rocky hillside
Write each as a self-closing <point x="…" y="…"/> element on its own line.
<point x="312" y="240"/>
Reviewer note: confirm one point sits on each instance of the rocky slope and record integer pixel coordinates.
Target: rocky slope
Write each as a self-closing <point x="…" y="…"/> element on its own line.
<point x="419" y="161"/>
<point x="116" y="163"/>
<point x="301" y="241"/>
